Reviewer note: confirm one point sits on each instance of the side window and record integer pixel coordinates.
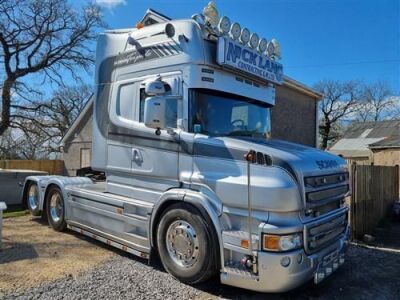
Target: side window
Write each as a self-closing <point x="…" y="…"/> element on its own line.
<point x="125" y="107"/>
<point x="172" y="107"/>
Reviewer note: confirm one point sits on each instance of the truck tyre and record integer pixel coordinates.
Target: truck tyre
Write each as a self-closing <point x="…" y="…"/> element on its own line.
<point x="32" y="199"/>
<point x="187" y="244"/>
<point x="55" y="209"/>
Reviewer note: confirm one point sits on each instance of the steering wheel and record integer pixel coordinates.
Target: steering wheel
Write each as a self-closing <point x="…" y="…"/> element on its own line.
<point x="237" y="121"/>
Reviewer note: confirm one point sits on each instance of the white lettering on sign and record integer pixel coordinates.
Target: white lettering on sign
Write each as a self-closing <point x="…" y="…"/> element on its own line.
<point x="234" y="55"/>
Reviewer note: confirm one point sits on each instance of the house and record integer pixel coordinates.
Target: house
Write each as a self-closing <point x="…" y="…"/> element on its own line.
<point x="370" y="143"/>
<point x="294" y="118"/>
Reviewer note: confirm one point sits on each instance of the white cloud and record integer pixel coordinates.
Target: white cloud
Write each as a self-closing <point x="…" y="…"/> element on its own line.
<point x="110" y="4"/>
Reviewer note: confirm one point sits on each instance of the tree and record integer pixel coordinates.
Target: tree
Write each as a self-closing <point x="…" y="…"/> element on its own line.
<point x="37" y="131"/>
<point x="377" y="103"/>
<point x="340" y="100"/>
<point x="44" y="38"/>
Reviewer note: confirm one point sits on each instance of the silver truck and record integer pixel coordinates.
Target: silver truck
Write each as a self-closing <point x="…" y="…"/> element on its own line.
<point x="181" y="128"/>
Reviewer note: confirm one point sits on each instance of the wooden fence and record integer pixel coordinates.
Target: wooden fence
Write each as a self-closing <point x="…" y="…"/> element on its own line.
<point x="53" y="167"/>
<point x="375" y="188"/>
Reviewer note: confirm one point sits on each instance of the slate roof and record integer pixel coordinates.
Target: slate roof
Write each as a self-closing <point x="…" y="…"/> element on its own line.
<point x="361" y="137"/>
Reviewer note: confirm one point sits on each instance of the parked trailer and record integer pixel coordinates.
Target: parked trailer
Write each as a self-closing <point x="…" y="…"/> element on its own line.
<point x="181" y="127"/>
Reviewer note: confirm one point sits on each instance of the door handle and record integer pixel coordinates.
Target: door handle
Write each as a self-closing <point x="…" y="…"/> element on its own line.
<point x="136" y="155"/>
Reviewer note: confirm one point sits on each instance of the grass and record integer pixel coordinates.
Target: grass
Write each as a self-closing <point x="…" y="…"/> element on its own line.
<point x="15" y="211"/>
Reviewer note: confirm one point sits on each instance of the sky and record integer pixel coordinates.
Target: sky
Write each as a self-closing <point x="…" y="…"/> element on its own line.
<point x="320" y="39"/>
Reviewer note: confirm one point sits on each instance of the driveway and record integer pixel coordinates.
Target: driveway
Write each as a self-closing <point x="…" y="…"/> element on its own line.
<point x="84" y="269"/>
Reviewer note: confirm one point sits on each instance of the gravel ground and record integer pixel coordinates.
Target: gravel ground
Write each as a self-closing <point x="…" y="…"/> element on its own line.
<point x="39" y="263"/>
<point x="33" y="253"/>
<point x="368" y="274"/>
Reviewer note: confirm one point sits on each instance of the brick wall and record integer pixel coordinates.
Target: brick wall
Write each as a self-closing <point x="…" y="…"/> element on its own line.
<point x="293" y="116"/>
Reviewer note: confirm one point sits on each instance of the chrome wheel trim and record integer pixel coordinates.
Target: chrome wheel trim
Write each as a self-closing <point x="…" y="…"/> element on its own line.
<point x="33" y="197"/>
<point x="56" y="207"/>
<point x="182" y="243"/>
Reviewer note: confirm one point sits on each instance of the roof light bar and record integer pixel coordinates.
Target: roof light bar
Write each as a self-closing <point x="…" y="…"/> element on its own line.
<point x="270" y="49"/>
<point x="262" y="45"/>
<point x="216" y="26"/>
<point x="244" y="36"/>
<point x="224" y="25"/>
<point x="235" y="31"/>
<point x="254" y="39"/>
<point x="277" y="48"/>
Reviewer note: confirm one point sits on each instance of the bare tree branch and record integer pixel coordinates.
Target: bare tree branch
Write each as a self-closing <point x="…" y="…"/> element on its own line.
<point x="46" y="38"/>
<point x="340" y="100"/>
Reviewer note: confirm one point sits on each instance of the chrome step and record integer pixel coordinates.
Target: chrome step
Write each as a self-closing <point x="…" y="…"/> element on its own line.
<point x="232" y="271"/>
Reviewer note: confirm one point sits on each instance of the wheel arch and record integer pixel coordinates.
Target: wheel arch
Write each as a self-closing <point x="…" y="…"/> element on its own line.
<point x="197" y="200"/>
<point x="46" y="193"/>
<point x="27" y="183"/>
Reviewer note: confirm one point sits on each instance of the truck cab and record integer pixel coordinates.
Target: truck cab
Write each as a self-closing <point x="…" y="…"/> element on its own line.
<point x="182" y="130"/>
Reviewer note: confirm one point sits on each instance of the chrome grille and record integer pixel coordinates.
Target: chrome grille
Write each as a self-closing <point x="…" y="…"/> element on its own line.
<point x="324" y="233"/>
<point x="325" y="193"/>
<point x="324" y="180"/>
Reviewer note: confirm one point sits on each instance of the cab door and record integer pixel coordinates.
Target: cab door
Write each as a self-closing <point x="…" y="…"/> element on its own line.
<point x="152" y="167"/>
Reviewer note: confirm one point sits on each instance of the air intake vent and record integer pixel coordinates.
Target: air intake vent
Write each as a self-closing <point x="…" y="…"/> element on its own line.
<point x="262" y="159"/>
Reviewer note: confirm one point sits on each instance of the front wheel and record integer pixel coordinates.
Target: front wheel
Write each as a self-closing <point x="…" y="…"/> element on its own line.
<point x="55" y="209"/>
<point x="187" y="244"/>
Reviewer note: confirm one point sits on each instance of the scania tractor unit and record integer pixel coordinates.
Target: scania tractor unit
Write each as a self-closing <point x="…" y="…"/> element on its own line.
<point x="181" y="129"/>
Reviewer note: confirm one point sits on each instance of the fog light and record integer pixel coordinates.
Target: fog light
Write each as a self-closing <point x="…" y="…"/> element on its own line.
<point x="328" y="270"/>
<point x="341" y="261"/>
<point x="335" y="265"/>
<point x="320" y="276"/>
<point x="285" y="261"/>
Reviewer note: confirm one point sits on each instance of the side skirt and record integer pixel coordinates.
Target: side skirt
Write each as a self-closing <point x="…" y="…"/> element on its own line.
<point x="105" y="238"/>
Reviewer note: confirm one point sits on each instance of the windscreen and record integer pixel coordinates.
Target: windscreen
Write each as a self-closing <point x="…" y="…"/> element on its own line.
<point x="222" y="114"/>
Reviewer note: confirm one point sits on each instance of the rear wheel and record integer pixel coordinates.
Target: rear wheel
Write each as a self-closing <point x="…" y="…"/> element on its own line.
<point x="55" y="209"/>
<point x="187" y="244"/>
<point x="33" y="199"/>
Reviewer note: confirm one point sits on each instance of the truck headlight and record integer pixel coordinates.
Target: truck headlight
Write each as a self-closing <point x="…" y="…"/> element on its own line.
<point x="272" y="242"/>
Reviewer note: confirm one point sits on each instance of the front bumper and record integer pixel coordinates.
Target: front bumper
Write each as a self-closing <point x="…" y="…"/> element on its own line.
<point x="273" y="277"/>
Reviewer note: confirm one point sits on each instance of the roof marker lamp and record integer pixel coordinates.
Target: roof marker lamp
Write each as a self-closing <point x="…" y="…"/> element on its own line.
<point x="224" y="25"/>
<point x="277" y="48"/>
<point x="262" y="45"/>
<point x="244" y="36"/>
<point x="235" y="31"/>
<point x="254" y="40"/>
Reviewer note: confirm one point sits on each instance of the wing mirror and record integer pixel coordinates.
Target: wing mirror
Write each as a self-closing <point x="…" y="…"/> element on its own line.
<point x="155" y="112"/>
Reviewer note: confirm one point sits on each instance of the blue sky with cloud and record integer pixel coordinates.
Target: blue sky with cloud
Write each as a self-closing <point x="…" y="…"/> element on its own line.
<point x="320" y="39"/>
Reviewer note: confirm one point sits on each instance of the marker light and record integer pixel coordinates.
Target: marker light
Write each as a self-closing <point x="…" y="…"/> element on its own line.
<point x="270" y="49"/>
<point x="254" y="40"/>
<point x="224" y="25"/>
<point x="139" y="25"/>
<point x="277" y="48"/>
<point x="262" y="45"/>
<point x="245" y="36"/>
<point x="235" y="31"/>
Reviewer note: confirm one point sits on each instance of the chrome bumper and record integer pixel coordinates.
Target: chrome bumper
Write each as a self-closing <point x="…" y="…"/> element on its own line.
<point x="273" y="277"/>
